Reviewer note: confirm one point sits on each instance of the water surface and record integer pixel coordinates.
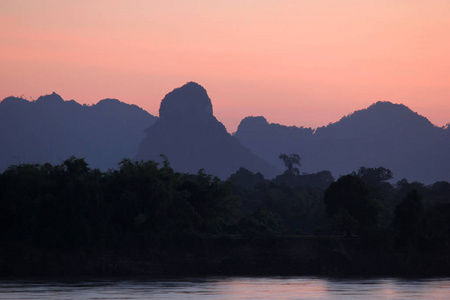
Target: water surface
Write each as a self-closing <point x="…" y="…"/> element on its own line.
<point x="227" y="288"/>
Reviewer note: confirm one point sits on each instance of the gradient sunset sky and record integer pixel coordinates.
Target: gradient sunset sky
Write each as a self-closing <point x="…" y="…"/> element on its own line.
<point x="304" y="63"/>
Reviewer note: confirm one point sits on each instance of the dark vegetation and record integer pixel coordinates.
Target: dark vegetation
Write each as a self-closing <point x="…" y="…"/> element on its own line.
<point x="145" y="218"/>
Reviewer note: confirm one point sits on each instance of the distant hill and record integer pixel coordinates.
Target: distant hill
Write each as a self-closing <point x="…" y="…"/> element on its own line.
<point x="51" y="129"/>
<point x="384" y="134"/>
<point x="192" y="138"/>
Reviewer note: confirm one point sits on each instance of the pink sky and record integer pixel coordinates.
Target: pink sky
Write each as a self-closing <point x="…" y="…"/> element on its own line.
<point x="304" y="63"/>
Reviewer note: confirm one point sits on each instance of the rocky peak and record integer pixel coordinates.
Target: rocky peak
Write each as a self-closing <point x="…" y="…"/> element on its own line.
<point x="190" y="101"/>
<point x="253" y="123"/>
<point x="11" y="101"/>
<point x="53" y="98"/>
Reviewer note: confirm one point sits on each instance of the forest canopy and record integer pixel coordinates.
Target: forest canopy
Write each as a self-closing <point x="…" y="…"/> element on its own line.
<point x="71" y="207"/>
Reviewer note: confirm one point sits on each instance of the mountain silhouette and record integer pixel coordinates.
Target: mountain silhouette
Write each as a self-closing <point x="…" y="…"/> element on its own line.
<point x="189" y="135"/>
<point x="51" y="129"/>
<point x="384" y="134"/>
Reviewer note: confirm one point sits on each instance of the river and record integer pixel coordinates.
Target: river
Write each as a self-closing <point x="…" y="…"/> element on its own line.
<point x="227" y="288"/>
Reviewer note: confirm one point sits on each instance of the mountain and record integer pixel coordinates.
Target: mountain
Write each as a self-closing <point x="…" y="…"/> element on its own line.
<point x="189" y="135"/>
<point x="384" y="134"/>
<point x="268" y="141"/>
<point x="51" y="129"/>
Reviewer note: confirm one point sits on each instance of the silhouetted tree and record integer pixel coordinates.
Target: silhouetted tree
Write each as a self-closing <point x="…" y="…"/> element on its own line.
<point x="374" y="176"/>
<point x="408" y="217"/>
<point x="377" y="179"/>
<point x="291" y="162"/>
<point x="76" y="167"/>
<point x="350" y="208"/>
<point x="246" y="179"/>
<point x="437" y="224"/>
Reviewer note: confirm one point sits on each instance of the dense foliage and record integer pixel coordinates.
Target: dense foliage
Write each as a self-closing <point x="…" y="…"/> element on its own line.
<point x="70" y="207"/>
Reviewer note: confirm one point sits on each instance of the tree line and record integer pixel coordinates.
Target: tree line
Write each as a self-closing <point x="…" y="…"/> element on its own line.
<point x="71" y="206"/>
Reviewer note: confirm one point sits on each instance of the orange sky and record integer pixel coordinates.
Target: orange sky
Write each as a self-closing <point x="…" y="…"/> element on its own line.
<point x="304" y="63"/>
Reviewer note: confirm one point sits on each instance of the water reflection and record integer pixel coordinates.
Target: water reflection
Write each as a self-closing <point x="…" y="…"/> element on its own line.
<point x="227" y="288"/>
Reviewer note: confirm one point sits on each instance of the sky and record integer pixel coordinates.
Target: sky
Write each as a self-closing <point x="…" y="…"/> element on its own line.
<point x="303" y="63"/>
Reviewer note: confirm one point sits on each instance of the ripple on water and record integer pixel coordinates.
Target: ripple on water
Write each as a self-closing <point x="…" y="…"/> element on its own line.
<point x="226" y="288"/>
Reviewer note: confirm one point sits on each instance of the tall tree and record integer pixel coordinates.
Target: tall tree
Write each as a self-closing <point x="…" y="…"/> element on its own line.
<point x="350" y="207"/>
<point x="408" y="217"/>
<point x="291" y="162"/>
<point x="375" y="176"/>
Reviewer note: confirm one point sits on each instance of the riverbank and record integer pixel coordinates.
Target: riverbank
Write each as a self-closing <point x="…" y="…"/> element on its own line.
<point x="228" y="256"/>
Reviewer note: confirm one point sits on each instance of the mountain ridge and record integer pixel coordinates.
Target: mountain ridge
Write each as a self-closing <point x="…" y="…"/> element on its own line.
<point x="191" y="137"/>
<point x="51" y="129"/>
<point x="384" y="134"/>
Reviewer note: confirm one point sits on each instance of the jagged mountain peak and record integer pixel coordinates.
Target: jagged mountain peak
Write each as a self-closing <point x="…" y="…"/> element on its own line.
<point x="108" y="101"/>
<point x="11" y="101"/>
<point x="385" y="111"/>
<point x="50" y="99"/>
<point x="380" y="117"/>
<point x="187" y="102"/>
<point x="252" y="122"/>
<point x="192" y="138"/>
<point x="117" y="109"/>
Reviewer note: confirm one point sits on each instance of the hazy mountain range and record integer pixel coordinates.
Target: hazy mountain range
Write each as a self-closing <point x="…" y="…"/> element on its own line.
<point x="384" y="134"/>
<point x="51" y="129"/>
